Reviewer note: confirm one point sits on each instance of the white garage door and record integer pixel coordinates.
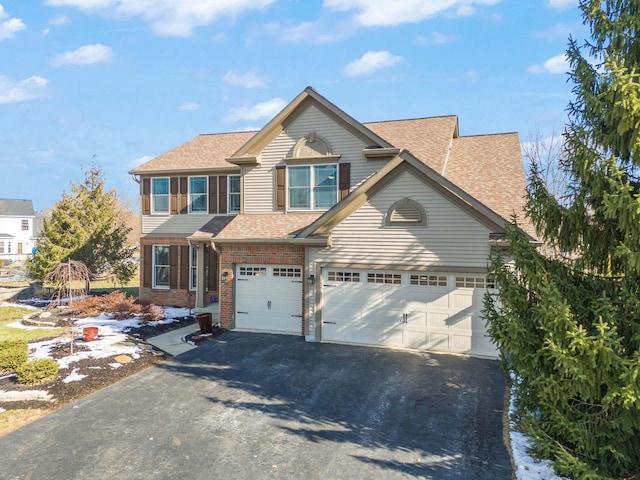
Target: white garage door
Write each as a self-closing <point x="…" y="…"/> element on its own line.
<point x="269" y="298"/>
<point x="429" y="311"/>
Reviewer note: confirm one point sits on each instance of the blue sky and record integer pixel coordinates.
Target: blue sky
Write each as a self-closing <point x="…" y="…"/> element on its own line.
<point x="117" y="82"/>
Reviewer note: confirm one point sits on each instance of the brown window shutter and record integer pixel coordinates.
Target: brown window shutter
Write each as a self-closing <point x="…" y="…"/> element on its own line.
<point x="213" y="194"/>
<point x="344" y="176"/>
<point x="147" y="264"/>
<point x="212" y="270"/>
<point x="173" y="182"/>
<point x="184" y="267"/>
<point x="173" y="266"/>
<point x="222" y="194"/>
<point x="184" y="190"/>
<point x="146" y="196"/>
<point x="281" y="174"/>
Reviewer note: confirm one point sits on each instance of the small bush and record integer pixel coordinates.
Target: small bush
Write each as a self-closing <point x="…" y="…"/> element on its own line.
<point x="13" y="353"/>
<point x="117" y="303"/>
<point x="150" y="313"/>
<point x="37" y="370"/>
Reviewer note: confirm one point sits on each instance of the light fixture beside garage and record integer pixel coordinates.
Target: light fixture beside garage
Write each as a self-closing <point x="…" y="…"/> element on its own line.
<point x="311" y="279"/>
<point x="224" y="276"/>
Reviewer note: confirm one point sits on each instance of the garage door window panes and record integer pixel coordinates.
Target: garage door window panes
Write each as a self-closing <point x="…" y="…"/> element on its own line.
<point x="287" y="272"/>
<point x="253" y="271"/>
<point x="429" y="280"/>
<point x="338" y="276"/>
<point x="475" y="282"/>
<point x="386" y="278"/>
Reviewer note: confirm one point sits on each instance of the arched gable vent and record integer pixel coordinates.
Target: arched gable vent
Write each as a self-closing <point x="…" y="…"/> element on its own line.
<point x="312" y="146"/>
<point x="406" y="212"/>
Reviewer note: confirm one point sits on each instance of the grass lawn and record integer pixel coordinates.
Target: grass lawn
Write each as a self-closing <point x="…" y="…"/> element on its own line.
<point x="11" y="420"/>
<point x="11" y="314"/>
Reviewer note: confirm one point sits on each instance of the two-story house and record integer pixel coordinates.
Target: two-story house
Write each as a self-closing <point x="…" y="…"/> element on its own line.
<point x="341" y="231"/>
<point x="16" y="229"/>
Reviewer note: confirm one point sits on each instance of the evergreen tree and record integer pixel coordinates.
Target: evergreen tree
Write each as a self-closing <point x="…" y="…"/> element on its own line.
<point x="569" y="327"/>
<point x="87" y="225"/>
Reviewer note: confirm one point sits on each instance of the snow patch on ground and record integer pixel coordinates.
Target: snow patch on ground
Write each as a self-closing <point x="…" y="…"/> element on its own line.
<point x="74" y="376"/>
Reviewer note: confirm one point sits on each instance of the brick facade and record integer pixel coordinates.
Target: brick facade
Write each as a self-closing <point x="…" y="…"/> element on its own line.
<point x="232" y="255"/>
<point x="178" y="297"/>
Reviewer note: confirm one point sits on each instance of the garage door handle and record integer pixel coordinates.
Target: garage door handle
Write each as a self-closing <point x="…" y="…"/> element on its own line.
<point x="297" y="316"/>
<point x="242" y="279"/>
<point x="243" y="312"/>
<point x="325" y="285"/>
<point x="330" y="323"/>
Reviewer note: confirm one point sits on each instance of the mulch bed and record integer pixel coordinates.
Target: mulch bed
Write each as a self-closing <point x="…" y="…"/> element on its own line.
<point x="99" y="372"/>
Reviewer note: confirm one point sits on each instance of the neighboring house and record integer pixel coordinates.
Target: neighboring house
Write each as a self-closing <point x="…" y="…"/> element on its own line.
<point x="16" y="229"/>
<point x="318" y="225"/>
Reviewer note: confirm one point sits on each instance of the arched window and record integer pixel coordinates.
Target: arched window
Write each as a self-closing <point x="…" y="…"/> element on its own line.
<point x="406" y="212"/>
<point x="311" y="146"/>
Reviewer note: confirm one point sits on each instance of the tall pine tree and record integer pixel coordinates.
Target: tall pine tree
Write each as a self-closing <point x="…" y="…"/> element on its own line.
<point x="88" y="225"/>
<point x="569" y="327"/>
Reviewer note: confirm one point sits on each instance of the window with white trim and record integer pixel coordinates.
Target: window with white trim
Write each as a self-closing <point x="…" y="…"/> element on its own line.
<point x="198" y="194"/>
<point x="234" y="193"/>
<point x="25" y="225"/>
<point x="386" y="278"/>
<point x="1" y="247"/>
<point x="161" y="266"/>
<point x="312" y="187"/>
<point x="160" y="195"/>
<point x="429" y="280"/>
<point x="341" y="276"/>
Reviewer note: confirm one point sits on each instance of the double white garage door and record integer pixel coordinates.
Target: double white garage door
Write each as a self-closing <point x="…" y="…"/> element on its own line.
<point x="429" y="311"/>
<point x="406" y="309"/>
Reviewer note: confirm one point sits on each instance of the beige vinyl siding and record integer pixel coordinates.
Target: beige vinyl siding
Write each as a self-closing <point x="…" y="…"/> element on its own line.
<point x="173" y="224"/>
<point x="452" y="238"/>
<point x="259" y="194"/>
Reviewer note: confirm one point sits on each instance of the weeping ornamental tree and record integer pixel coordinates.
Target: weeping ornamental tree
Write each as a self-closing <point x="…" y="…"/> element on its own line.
<point x="569" y="326"/>
<point x="87" y="225"/>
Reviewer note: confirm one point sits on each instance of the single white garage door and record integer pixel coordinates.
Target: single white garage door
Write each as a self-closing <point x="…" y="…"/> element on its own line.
<point x="429" y="311"/>
<point x="269" y="298"/>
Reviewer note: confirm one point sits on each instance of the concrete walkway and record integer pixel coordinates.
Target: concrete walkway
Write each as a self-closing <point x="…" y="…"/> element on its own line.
<point x="172" y="343"/>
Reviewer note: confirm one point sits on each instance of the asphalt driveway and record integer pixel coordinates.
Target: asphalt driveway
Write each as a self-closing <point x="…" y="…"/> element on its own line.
<point x="251" y="406"/>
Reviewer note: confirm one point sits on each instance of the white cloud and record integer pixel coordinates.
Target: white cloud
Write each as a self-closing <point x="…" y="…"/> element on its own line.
<point x="59" y="20"/>
<point x="45" y="32"/>
<point x="169" y="17"/>
<point x="85" y="55"/>
<point x="371" y="62"/>
<point x="384" y="13"/>
<point x="562" y="4"/>
<point x="435" y="38"/>
<point x="12" y="91"/>
<point x="9" y="26"/>
<point x="559" y="31"/>
<point x="266" y="109"/>
<point x="250" y="79"/>
<point x="189" y="106"/>
<point x="557" y="64"/>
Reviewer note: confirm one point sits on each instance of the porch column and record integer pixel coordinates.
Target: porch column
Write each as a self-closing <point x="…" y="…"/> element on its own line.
<point x="200" y="277"/>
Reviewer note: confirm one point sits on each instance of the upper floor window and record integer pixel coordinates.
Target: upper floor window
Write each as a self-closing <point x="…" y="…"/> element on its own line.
<point x="25" y="225"/>
<point x="234" y="193"/>
<point x="198" y="195"/>
<point x="312" y="187"/>
<point x="160" y="195"/>
<point x="1" y="247"/>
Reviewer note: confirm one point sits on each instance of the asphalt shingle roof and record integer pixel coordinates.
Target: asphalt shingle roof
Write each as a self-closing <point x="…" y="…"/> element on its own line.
<point x="18" y="207"/>
<point x="488" y="167"/>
